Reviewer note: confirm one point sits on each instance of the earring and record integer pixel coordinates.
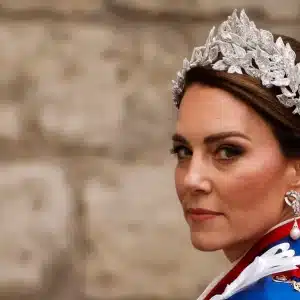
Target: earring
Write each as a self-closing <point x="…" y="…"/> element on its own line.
<point x="292" y="199"/>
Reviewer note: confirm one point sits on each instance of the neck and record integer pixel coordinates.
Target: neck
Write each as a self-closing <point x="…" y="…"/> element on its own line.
<point x="237" y="251"/>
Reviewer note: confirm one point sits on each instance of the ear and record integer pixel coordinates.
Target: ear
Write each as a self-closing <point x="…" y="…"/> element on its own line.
<point x="295" y="168"/>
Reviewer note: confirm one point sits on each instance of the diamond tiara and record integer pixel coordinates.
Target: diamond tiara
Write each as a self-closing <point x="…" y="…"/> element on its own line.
<point x="235" y="46"/>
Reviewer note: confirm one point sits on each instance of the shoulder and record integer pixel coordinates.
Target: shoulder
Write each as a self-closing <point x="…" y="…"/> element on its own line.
<point x="269" y="289"/>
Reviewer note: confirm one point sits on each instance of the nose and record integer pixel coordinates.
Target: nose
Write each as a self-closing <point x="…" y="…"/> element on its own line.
<point x="197" y="179"/>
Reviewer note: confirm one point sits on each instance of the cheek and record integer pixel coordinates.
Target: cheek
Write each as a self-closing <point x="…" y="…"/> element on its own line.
<point x="255" y="184"/>
<point x="179" y="182"/>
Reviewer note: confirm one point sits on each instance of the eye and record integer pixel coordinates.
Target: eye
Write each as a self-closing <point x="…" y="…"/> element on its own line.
<point x="228" y="152"/>
<point x="181" y="152"/>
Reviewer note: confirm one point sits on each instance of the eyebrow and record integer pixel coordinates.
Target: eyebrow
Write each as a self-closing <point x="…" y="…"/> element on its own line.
<point x="211" y="138"/>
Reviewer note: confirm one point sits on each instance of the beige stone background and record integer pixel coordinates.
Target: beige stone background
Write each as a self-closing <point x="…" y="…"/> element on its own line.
<point x="88" y="208"/>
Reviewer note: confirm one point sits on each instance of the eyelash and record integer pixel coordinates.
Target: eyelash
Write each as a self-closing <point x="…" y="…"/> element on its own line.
<point x="237" y="150"/>
<point x="176" y="149"/>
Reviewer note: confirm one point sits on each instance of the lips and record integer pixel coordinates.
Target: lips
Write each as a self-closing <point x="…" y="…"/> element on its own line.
<point x="200" y="214"/>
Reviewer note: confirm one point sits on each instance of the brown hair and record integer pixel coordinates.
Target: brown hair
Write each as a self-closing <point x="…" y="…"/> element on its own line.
<point x="284" y="124"/>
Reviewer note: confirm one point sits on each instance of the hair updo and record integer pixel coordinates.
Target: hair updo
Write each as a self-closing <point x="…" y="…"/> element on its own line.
<point x="284" y="124"/>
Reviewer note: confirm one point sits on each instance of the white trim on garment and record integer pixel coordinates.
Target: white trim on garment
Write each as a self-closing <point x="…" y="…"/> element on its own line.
<point x="217" y="279"/>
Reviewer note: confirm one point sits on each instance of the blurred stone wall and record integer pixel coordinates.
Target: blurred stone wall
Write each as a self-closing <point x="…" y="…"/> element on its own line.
<point x="88" y="208"/>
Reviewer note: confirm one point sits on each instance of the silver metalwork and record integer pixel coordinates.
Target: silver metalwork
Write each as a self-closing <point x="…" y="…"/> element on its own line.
<point x="292" y="199"/>
<point x="237" y="46"/>
<point x="295" y="203"/>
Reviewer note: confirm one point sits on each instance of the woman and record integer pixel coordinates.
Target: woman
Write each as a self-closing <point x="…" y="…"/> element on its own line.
<point x="237" y="143"/>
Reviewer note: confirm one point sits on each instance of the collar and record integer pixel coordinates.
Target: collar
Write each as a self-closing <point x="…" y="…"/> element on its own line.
<point x="275" y="234"/>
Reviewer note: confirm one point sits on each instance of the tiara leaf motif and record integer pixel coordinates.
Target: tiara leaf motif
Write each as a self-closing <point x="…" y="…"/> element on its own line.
<point x="237" y="46"/>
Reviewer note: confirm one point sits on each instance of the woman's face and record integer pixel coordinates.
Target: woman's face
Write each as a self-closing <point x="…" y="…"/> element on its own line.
<point x="231" y="177"/>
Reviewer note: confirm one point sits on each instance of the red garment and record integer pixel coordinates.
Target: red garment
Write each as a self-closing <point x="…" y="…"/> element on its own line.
<point x="290" y="274"/>
<point x="267" y="240"/>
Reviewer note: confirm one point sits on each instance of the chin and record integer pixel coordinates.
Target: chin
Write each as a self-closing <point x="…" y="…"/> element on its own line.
<point x="206" y="243"/>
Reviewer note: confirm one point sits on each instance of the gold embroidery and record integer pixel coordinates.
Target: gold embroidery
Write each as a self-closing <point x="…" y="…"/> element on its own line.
<point x="284" y="279"/>
<point x="296" y="285"/>
<point x="281" y="278"/>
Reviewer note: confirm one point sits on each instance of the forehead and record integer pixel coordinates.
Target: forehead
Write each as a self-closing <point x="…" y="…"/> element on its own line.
<point x="207" y="110"/>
